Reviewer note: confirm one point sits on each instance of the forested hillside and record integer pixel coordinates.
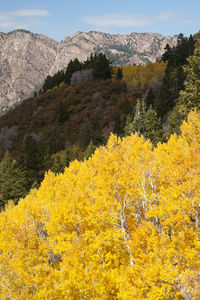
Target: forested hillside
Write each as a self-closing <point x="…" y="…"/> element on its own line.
<point x="122" y="225"/>
<point x="77" y="109"/>
<point x="67" y="121"/>
<point x="117" y="215"/>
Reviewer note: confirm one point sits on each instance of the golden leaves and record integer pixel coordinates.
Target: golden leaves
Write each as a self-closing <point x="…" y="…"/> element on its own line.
<point x="123" y="225"/>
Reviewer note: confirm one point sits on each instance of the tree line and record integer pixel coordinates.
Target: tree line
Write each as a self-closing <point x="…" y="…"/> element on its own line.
<point x="94" y="68"/>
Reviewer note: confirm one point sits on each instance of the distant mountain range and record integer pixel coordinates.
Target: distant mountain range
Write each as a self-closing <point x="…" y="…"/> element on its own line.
<point x="27" y="58"/>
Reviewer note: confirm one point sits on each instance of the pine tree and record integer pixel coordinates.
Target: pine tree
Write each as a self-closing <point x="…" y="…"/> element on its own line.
<point x="90" y="150"/>
<point x="32" y="161"/>
<point x="47" y="84"/>
<point x="89" y="132"/>
<point x="174" y="77"/>
<point x="67" y="158"/>
<point x="139" y="118"/>
<point x="101" y="67"/>
<point x="63" y="114"/>
<point x="166" y="96"/>
<point x="57" y="166"/>
<point x="175" y="119"/>
<point x="190" y="98"/>
<point x="150" y="98"/>
<point x="12" y="181"/>
<point x="73" y="66"/>
<point x="166" y="55"/>
<point x="153" y="126"/>
<point x="129" y="127"/>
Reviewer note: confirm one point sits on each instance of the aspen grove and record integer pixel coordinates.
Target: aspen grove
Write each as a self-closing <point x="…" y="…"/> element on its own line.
<point x="123" y="224"/>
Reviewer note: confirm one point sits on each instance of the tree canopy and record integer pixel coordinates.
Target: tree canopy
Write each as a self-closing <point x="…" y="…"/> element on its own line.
<point x="123" y="224"/>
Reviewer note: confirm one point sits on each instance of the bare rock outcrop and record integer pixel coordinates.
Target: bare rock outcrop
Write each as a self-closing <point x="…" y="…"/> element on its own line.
<point x="26" y="58"/>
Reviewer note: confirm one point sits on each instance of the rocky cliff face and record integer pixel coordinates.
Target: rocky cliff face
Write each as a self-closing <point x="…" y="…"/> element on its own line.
<point x="26" y="58"/>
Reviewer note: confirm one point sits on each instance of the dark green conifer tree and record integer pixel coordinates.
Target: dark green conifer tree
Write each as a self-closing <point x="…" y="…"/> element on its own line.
<point x="190" y="96"/>
<point x="73" y="66"/>
<point x="150" y="98"/>
<point x="90" y="150"/>
<point x="32" y="161"/>
<point x="166" y="96"/>
<point x="89" y="132"/>
<point x="175" y="120"/>
<point x="63" y="114"/>
<point x="67" y="158"/>
<point x="57" y="166"/>
<point x="12" y="181"/>
<point x="153" y="126"/>
<point x="174" y="77"/>
<point x="129" y="127"/>
<point x="47" y="84"/>
<point x="139" y="118"/>
<point x="101" y="67"/>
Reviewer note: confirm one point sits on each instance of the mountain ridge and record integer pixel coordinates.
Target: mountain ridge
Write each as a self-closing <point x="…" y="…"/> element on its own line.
<point x="27" y="58"/>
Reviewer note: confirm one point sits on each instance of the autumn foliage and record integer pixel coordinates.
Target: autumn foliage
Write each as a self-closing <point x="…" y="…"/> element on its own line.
<point x="144" y="76"/>
<point x="123" y="224"/>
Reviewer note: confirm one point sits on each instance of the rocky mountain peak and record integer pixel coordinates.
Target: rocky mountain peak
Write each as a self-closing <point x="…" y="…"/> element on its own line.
<point x="27" y="58"/>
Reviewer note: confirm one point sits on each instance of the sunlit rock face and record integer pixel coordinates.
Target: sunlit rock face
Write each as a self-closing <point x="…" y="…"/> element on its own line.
<point x="26" y="58"/>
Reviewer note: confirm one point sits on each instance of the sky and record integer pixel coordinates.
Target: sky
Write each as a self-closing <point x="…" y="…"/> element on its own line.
<point x="60" y="18"/>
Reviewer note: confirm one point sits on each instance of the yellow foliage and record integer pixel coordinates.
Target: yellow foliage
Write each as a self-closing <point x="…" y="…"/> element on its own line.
<point x="122" y="225"/>
<point x="142" y="76"/>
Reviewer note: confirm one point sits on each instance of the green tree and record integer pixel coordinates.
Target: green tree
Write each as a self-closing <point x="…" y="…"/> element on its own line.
<point x="190" y="97"/>
<point x="47" y="84"/>
<point x="166" y="55"/>
<point x="139" y="118"/>
<point x="12" y="181"/>
<point x="101" y="66"/>
<point x="136" y="124"/>
<point x="67" y="158"/>
<point x="129" y="127"/>
<point x="73" y="66"/>
<point x="57" y="166"/>
<point x="153" y="126"/>
<point x="174" y="77"/>
<point x="89" y="132"/>
<point x="32" y="161"/>
<point x="175" y="119"/>
<point x="166" y="96"/>
<point x="90" y="150"/>
<point x="150" y="98"/>
<point x="145" y="122"/>
<point x="63" y="114"/>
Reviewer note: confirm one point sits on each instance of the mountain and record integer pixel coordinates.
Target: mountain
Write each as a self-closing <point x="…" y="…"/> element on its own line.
<point x="27" y="58"/>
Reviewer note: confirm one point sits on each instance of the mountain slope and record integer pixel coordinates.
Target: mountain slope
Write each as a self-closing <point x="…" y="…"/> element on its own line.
<point x="26" y="58"/>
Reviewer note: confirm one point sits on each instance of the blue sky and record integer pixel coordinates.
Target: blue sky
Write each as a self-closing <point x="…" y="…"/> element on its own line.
<point x="60" y="18"/>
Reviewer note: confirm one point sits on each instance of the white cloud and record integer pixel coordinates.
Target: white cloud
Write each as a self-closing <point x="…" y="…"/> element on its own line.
<point x="30" y="13"/>
<point x="23" y="18"/>
<point x="119" y="20"/>
<point x="134" y="20"/>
